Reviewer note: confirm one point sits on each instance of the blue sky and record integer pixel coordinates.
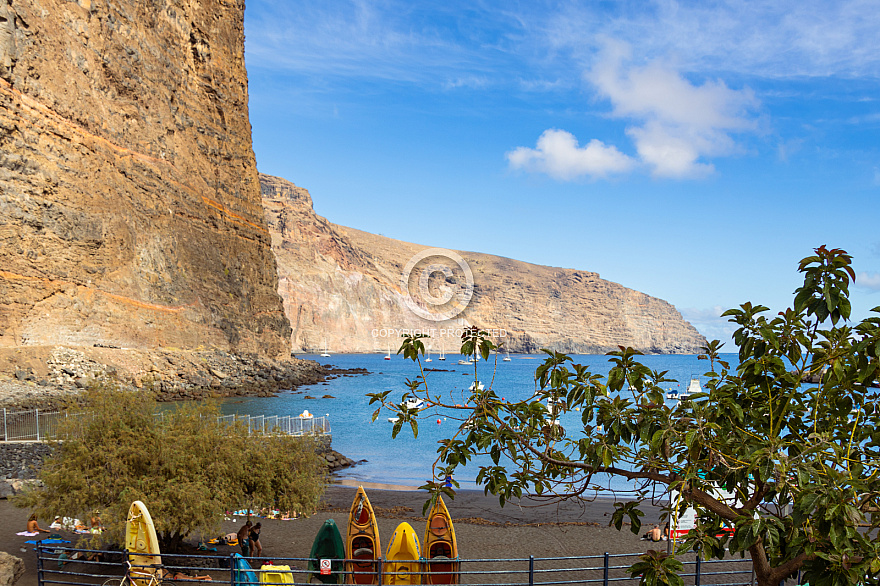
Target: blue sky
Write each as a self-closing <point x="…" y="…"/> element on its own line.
<point x="692" y="151"/>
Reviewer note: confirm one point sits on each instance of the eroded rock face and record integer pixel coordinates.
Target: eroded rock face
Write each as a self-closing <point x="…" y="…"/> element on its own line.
<point x="130" y="212"/>
<point x="341" y="289"/>
<point x="11" y="569"/>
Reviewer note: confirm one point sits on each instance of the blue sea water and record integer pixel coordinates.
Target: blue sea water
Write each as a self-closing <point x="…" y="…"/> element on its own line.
<point x="407" y="460"/>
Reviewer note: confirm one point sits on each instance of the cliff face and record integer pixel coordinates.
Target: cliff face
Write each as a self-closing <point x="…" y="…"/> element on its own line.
<point x="342" y="289"/>
<point x="130" y="211"/>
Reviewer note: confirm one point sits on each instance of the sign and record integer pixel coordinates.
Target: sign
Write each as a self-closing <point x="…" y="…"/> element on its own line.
<point x="685" y="517"/>
<point x="325" y="567"/>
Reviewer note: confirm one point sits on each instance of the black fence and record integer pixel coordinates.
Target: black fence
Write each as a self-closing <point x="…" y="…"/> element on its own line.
<point x="67" y="565"/>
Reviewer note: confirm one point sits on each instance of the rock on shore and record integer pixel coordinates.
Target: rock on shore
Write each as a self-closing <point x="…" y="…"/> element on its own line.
<point x="43" y="376"/>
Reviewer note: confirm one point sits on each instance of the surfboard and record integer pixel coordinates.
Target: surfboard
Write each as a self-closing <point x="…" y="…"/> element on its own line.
<point x="362" y="544"/>
<point x="440" y="565"/>
<point x="402" y="557"/>
<point x="327" y="545"/>
<point x="141" y="543"/>
<point x="242" y="574"/>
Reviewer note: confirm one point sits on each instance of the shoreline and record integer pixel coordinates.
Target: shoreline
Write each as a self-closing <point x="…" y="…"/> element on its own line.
<point x="47" y="377"/>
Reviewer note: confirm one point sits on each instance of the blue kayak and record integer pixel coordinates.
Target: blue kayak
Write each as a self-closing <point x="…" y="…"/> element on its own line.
<point x="243" y="575"/>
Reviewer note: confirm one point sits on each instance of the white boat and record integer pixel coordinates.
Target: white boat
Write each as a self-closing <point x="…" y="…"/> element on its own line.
<point x="414" y="403"/>
<point x="393" y="419"/>
<point x="428" y="357"/>
<point x="442" y="353"/>
<point x="506" y="357"/>
<point x="465" y="362"/>
<point x="388" y="356"/>
<point x="694" y="386"/>
<point x="477" y="386"/>
<point x="325" y="353"/>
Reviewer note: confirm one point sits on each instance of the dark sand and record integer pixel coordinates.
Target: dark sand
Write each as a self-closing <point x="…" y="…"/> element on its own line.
<point x="483" y="529"/>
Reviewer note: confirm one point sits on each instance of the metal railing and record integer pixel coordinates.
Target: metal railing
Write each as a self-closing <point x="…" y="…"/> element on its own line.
<point x="57" y="565"/>
<point x="36" y="425"/>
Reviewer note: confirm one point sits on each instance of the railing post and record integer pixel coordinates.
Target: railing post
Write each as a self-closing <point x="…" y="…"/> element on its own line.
<point x="231" y="570"/>
<point x="5" y="430"/>
<point x="605" y="573"/>
<point x="379" y="571"/>
<point x="37" y="418"/>
<point x="697" y="577"/>
<point x="39" y="564"/>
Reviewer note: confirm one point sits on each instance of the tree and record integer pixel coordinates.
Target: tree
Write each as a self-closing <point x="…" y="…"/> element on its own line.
<point x="185" y="465"/>
<point x="803" y="460"/>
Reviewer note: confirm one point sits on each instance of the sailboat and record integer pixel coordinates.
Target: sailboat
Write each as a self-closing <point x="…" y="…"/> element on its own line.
<point x="388" y="356"/>
<point x="428" y="357"/>
<point x="325" y="353"/>
<point x="507" y="357"/>
<point x="442" y="354"/>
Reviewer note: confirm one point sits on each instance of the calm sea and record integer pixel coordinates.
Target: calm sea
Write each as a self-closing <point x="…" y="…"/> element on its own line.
<point x="407" y="460"/>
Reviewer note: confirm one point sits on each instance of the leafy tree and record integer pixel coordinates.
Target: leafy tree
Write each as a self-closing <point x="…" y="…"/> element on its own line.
<point x="803" y="460"/>
<point x="185" y="465"/>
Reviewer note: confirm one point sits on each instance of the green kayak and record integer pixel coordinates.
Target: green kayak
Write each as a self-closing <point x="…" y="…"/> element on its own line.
<point x="328" y="546"/>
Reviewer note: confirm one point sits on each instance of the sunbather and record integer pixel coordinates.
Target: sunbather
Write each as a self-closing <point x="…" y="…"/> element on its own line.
<point x="33" y="527"/>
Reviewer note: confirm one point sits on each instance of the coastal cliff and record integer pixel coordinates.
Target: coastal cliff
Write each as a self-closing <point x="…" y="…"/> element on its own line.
<point x="342" y="290"/>
<point x="130" y="210"/>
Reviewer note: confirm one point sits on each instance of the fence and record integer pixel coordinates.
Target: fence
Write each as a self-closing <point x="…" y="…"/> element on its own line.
<point x="36" y="425"/>
<point x="57" y="566"/>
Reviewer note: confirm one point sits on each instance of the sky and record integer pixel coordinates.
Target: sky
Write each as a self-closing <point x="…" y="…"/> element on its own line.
<point x="694" y="151"/>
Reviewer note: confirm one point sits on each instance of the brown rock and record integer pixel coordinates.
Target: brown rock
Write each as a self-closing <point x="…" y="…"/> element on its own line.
<point x="11" y="569"/>
<point x="130" y="200"/>
<point x="341" y="285"/>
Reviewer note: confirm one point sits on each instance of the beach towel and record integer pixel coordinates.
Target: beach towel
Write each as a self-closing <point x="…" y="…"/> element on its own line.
<point x="27" y="533"/>
<point x="47" y="541"/>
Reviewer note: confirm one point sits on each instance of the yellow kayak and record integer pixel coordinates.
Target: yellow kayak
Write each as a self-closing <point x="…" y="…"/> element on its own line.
<point x="402" y="557"/>
<point x="440" y="564"/>
<point x="141" y="543"/>
<point x="362" y="544"/>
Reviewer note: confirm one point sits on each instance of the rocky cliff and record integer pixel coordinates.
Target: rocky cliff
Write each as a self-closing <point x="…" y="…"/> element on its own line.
<point x="129" y="199"/>
<point x="342" y="289"/>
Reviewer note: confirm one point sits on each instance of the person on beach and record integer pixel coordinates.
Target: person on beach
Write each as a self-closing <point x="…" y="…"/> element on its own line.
<point x="243" y="535"/>
<point x="654" y="534"/>
<point x="33" y="527"/>
<point x="254" y="537"/>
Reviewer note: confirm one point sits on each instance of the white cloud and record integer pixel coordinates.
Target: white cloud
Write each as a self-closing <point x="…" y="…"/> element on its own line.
<point x="675" y="125"/>
<point x="678" y="123"/>
<point x="558" y="155"/>
<point x="867" y="280"/>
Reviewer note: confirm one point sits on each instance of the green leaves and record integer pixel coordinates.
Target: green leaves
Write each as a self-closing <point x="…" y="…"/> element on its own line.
<point x="657" y="568"/>
<point x="800" y="460"/>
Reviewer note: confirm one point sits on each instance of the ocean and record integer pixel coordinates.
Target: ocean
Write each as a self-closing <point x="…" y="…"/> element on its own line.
<point x="406" y="460"/>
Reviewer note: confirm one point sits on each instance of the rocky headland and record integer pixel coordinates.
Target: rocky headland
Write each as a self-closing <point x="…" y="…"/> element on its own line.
<point x="342" y="289"/>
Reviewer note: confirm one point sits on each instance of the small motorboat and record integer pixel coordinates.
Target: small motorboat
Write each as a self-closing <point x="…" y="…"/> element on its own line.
<point x="414" y="403"/>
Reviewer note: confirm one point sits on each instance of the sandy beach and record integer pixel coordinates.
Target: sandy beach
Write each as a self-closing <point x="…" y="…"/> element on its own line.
<point x="484" y="530"/>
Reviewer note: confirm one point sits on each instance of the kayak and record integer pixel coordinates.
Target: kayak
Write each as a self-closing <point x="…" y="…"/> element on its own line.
<point x="327" y="546"/>
<point x="440" y="564"/>
<point x="142" y="544"/>
<point x="275" y="575"/>
<point x="242" y="574"/>
<point x="402" y="557"/>
<point x="362" y="545"/>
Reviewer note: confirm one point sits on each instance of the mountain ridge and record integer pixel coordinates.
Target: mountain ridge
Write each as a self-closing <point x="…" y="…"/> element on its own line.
<point x="342" y="290"/>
